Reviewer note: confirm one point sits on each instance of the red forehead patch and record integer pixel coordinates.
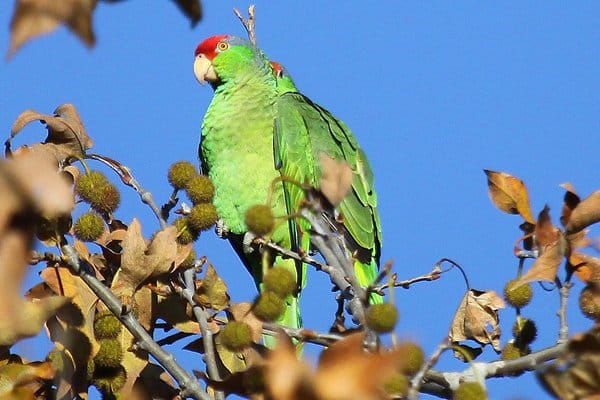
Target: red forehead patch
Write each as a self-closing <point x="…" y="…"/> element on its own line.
<point x="208" y="46"/>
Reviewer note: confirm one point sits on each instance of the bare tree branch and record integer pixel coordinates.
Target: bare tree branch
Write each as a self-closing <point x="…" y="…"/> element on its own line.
<point x="249" y="24"/>
<point x="190" y="387"/>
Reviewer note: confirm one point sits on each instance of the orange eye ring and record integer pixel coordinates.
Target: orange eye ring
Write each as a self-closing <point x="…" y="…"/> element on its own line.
<point x="222" y="46"/>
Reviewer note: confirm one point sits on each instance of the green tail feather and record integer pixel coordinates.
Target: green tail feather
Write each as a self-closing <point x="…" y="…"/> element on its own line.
<point x="366" y="274"/>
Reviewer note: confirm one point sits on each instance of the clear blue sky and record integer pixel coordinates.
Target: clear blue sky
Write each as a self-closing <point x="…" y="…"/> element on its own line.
<point x="434" y="92"/>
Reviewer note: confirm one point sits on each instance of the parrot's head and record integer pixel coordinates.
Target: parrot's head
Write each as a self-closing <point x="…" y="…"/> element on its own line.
<point x="284" y="80"/>
<point x="220" y="57"/>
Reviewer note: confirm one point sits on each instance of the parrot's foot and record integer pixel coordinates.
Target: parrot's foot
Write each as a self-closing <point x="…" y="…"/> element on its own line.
<point x="248" y="242"/>
<point x="221" y="229"/>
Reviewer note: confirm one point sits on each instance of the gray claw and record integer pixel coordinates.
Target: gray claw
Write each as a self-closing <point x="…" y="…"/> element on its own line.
<point x="221" y="229"/>
<point x="247" y="242"/>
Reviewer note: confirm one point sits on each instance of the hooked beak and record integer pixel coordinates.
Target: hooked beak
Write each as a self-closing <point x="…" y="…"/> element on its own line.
<point x="203" y="70"/>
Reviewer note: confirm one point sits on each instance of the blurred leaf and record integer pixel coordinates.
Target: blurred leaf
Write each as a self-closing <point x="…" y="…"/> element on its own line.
<point x="37" y="17"/>
<point x="155" y="384"/>
<point x="586" y="213"/>
<point x="286" y="377"/>
<point x="212" y="291"/>
<point x="477" y="319"/>
<point x="571" y="200"/>
<point x="192" y="9"/>
<point x="336" y="179"/>
<point x="509" y="194"/>
<point x="21" y="381"/>
<point x="576" y="374"/>
<point x="586" y="267"/>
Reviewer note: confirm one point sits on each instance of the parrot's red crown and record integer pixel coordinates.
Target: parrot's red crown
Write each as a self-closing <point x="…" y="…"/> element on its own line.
<point x="209" y="46"/>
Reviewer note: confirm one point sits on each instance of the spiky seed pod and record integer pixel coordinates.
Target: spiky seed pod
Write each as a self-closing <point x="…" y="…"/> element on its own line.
<point x="202" y="216"/>
<point x="109" y="200"/>
<point x="109" y="380"/>
<point x="268" y="306"/>
<point x="185" y="233"/>
<point x="180" y="173"/>
<point x="59" y="360"/>
<point x="106" y="325"/>
<point x="510" y="352"/>
<point x="280" y="281"/>
<point x="236" y="336"/>
<point x="524" y="331"/>
<point x="110" y="354"/>
<point x="589" y="302"/>
<point x="413" y="357"/>
<point x="200" y="189"/>
<point x="90" y="185"/>
<point x="517" y="297"/>
<point x="469" y="391"/>
<point x="189" y="260"/>
<point x="382" y="318"/>
<point x="259" y="219"/>
<point x="396" y="385"/>
<point x="88" y="227"/>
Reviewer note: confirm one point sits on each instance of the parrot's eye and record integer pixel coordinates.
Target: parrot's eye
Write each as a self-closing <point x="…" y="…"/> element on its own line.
<point x="222" y="46"/>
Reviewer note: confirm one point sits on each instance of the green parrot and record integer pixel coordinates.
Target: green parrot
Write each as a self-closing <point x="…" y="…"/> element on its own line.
<point x="236" y="151"/>
<point x="255" y="132"/>
<point x="308" y="130"/>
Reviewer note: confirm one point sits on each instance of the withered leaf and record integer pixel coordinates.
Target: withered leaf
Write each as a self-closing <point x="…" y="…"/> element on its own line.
<point x="66" y="138"/>
<point x="212" y="291"/>
<point x="154" y="383"/>
<point x="19" y="380"/>
<point x="585" y="267"/>
<point x="571" y="200"/>
<point x="37" y="17"/>
<point x="336" y="179"/>
<point x="586" y="213"/>
<point x="552" y="247"/>
<point x="477" y="318"/>
<point x="345" y="370"/>
<point x="192" y="9"/>
<point x="20" y="318"/>
<point x="576" y="374"/>
<point x="509" y="194"/>
<point x="286" y="377"/>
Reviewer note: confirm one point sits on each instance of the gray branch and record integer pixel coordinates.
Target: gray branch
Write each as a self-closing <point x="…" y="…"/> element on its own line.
<point x="190" y="387"/>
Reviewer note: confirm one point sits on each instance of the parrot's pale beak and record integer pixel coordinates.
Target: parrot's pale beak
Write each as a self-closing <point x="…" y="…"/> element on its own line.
<point x="203" y="70"/>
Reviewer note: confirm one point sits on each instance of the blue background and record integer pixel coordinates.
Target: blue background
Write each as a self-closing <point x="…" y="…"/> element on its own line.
<point x="434" y="92"/>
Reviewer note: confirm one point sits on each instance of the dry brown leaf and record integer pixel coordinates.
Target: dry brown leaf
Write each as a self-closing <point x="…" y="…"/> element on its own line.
<point x="552" y="247"/>
<point x="212" y="291"/>
<point x="37" y="17"/>
<point x="66" y="138"/>
<point x="586" y="213"/>
<point x="509" y="194"/>
<point x="477" y="318"/>
<point x="21" y="381"/>
<point x="571" y="200"/>
<point x="286" y="377"/>
<point x="345" y="370"/>
<point x="586" y="267"/>
<point x="336" y="179"/>
<point x="576" y="374"/>
<point x="20" y="318"/>
<point x="192" y="9"/>
<point x="153" y="384"/>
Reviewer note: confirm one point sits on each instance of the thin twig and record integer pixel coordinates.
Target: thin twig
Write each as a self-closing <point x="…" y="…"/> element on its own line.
<point x="127" y="177"/>
<point x="292" y="254"/>
<point x="188" y="278"/>
<point x="169" y="205"/>
<point x="417" y="380"/>
<point x="563" y="332"/>
<point x="249" y="24"/>
<point x="302" y="334"/>
<point x="190" y="387"/>
<point x="431" y="276"/>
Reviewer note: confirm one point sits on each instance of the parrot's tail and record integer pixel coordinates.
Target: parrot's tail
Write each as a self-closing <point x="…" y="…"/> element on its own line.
<point x="290" y="318"/>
